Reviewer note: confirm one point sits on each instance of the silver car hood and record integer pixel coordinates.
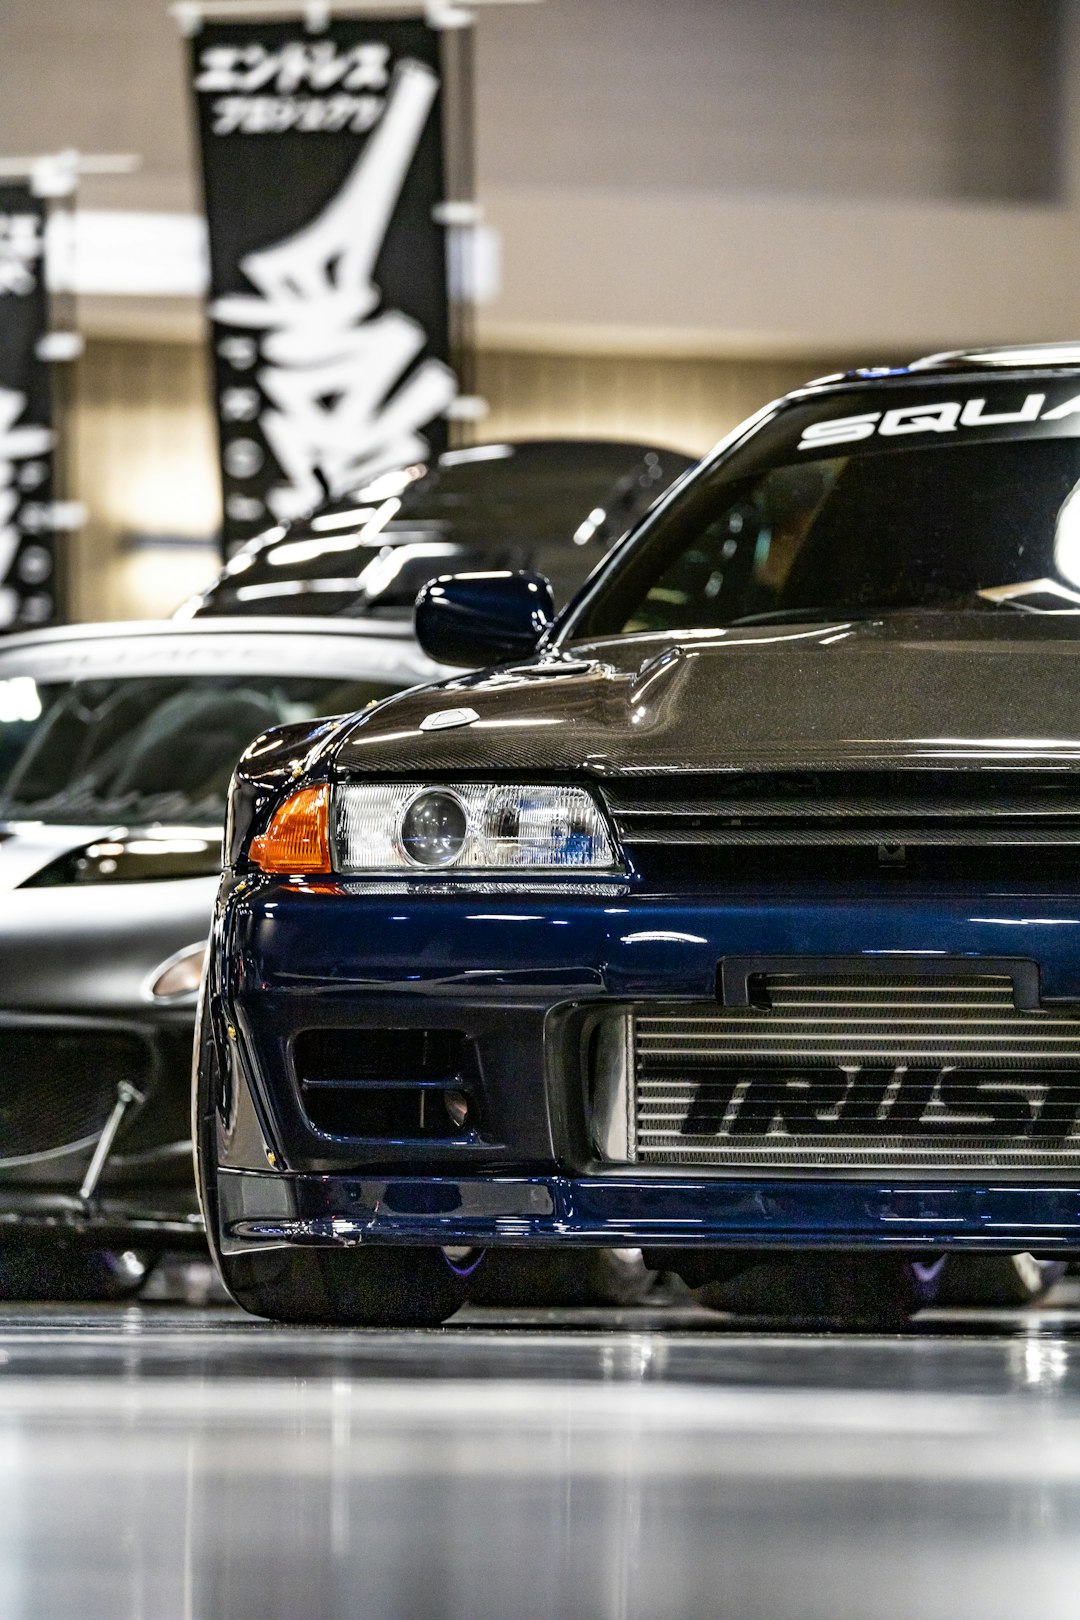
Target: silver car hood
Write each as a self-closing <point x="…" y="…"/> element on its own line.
<point x="87" y="947"/>
<point x="28" y="847"/>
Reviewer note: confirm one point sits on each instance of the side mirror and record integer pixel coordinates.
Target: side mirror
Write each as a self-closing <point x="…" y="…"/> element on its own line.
<point x="475" y="619"/>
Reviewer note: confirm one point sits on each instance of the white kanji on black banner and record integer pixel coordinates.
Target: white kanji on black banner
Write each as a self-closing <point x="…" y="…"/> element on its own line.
<point x="27" y="545"/>
<point x="323" y="166"/>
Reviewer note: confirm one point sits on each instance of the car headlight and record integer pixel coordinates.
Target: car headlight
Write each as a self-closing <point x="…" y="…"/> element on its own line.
<point x="429" y="827"/>
<point x="178" y="975"/>
<point x="413" y="826"/>
<point x="473" y="826"/>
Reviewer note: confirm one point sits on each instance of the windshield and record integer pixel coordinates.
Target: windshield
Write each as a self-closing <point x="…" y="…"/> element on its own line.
<point x="146" y="749"/>
<point x="850" y="530"/>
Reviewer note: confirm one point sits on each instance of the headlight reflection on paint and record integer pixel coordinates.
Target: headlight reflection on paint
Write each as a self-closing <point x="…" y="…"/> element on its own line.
<point x="467" y="826"/>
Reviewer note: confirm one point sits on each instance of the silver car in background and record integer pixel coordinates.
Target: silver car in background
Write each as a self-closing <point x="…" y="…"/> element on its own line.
<point x="117" y="744"/>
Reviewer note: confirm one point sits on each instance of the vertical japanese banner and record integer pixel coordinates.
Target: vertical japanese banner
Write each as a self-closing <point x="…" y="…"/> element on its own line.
<point x="323" y="171"/>
<point x="27" y="537"/>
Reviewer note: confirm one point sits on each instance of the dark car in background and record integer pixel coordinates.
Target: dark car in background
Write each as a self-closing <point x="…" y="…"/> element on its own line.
<point x="117" y="744"/>
<point x="735" y="915"/>
<point x="554" y="505"/>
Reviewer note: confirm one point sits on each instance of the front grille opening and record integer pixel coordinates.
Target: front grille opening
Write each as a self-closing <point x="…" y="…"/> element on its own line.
<point x="58" y="1087"/>
<point x="888" y="824"/>
<point x="890" y="866"/>
<point x="1045" y="803"/>
<point x="166" y="1118"/>
<point x="943" y="1074"/>
<point x="757" y="991"/>
<point x="399" y="1085"/>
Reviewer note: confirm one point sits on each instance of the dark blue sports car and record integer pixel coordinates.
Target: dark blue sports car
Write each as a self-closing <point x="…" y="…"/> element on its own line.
<point x="732" y="917"/>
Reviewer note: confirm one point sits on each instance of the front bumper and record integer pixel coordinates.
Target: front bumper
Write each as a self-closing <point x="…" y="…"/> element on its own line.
<point x="259" y="1210"/>
<point x="521" y="973"/>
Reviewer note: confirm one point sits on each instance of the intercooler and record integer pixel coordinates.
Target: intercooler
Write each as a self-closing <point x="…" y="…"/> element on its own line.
<point x="848" y="1072"/>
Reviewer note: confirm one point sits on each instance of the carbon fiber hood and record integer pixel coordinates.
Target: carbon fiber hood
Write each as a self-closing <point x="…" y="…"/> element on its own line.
<point x="994" y="686"/>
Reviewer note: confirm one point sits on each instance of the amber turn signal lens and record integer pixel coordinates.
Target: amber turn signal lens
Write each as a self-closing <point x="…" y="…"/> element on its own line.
<point x="298" y="837"/>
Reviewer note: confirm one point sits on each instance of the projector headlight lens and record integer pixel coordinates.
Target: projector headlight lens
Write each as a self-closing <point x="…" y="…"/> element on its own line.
<point x="434" y="828"/>
<point x="379" y="827"/>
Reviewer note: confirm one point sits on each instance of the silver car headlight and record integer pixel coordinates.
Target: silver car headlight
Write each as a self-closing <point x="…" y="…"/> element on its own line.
<point x="431" y="827"/>
<point x="178" y="976"/>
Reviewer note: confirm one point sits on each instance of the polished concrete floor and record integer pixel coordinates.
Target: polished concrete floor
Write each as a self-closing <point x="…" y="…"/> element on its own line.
<point x="179" y="1460"/>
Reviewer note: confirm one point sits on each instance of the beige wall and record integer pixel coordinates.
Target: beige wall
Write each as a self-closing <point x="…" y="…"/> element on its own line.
<point x="682" y="403"/>
<point x="918" y="99"/>
<point x="901" y="98"/>
<point x="685" y="176"/>
<point x="144" y="455"/>
<point x="143" y="462"/>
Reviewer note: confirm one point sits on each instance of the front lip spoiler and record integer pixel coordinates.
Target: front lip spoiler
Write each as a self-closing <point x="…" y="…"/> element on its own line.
<point x="106" y="1224"/>
<point x="266" y="1210"/>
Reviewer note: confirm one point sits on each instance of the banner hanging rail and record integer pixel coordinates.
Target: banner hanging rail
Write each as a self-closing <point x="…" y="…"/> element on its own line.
<point x="191" y="14"/>
<point x="56" y="174"/>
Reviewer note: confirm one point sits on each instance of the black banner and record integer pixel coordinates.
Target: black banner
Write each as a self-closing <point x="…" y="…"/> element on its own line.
<point x="27" y="539"/>
<point x="322" y="165"/>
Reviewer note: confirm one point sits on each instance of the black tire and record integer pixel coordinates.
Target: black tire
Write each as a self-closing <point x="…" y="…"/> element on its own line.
<point x="841" y="1293"/>
<point x="538" y="1278"/>
<point x="997" y="1279"/>
<point x="51" y="1268"/>
<point x="348" y="1287"/>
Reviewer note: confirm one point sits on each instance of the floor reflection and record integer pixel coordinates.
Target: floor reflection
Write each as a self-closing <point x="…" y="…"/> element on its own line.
<point x="168" y="1460"/>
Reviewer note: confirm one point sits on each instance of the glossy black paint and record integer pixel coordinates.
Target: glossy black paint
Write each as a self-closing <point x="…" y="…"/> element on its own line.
<point x="477" y="619"/>
<point x="553" y="505"/>
<point x="631" y="1211"/>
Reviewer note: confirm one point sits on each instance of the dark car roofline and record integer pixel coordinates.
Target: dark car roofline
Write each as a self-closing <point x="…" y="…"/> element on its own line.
<point x="1033" y="359"/>
<point x="240" y="625"/>
<point x="1019" y="358"/>
<point x="1004" y="357"/>
<point x="519" y="443"/>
